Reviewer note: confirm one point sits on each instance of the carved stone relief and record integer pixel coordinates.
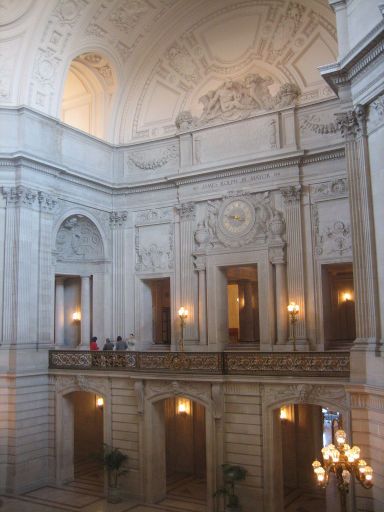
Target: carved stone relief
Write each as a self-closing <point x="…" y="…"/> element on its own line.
<point x="255" y="220"/>
<point x="200" y="391"/>
<point x="118" y="219"/>
<point x="317" y="124"/>
<point x="154" y="248"/>
<point x="79" y="239"/>
<point x="154" y="159"/>
<point x="334" y="239"/>
<point x="235" y="100"/>
<point x="23" y="196"/>
<point x="98" y="64"/>
<point x="128" y="14"/>
<point x="155" y="216"/>
<point x="330" y="218"/>
<point x="305" y="393"/>
<point x="330" y="189"/>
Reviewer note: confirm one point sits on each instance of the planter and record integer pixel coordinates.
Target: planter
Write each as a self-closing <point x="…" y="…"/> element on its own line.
<point x="113" y="495"/>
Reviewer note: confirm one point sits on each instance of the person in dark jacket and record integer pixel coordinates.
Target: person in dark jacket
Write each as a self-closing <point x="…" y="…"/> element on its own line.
<point x="121" y="344"/>
<point x="108" y="345"/>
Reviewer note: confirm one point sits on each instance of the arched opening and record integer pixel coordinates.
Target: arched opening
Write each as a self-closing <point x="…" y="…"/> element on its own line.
<point x="79" y="279"/>
<point x="179" y="459"/>
<point x="185" y="449"/>
<point x="301" y="431"/>
<point x="87" y="94"/>
<point x="81" y="440"/>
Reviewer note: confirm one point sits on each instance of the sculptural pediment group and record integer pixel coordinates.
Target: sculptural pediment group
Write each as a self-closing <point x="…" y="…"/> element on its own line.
<point x="238" y="99"/>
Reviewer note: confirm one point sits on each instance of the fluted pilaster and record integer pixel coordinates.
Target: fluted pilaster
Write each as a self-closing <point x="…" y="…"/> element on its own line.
<point x="352" y="125"/>
<point x="295" y="262"/>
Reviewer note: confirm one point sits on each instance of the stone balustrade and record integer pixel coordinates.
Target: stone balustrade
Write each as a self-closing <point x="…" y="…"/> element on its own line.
<point x="299" y="364"/>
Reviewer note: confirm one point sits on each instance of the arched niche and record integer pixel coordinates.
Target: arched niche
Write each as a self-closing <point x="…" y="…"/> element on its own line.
<point x="88" y="93"/>
<point x="80" y="268"/>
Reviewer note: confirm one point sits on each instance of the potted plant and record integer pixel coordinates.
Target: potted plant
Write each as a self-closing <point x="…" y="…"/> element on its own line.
<point x="113" y="460"/>
<point x="231" y="475"/>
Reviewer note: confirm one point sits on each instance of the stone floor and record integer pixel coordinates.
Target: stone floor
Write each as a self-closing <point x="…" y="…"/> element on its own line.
<point x="85" y="494"/>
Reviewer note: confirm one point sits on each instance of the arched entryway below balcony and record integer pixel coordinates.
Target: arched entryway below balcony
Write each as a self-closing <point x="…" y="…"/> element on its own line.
<point x="181" y="444"/>
<point x="291" y="444"/>
<point x="82" y="429"/>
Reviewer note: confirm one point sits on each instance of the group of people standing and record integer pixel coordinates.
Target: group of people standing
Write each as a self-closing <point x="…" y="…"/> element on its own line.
<point x="120" y="343"/>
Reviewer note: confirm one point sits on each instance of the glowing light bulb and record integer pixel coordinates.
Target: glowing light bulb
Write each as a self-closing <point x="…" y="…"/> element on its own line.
<point x="340" y="436"/>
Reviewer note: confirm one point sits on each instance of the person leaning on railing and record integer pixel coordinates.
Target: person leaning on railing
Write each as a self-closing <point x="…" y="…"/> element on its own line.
<point x="121" y="344"/>
<point x="93" y="344"/>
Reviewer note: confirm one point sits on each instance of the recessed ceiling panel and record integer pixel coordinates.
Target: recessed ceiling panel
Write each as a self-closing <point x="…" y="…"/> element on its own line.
<point x="161" y="105"/>
<point x="228" y="40"/>
<point x="316" y="53"/>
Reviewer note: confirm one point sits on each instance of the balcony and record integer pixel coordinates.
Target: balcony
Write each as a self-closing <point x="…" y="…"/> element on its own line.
<point x="296" y="364"/>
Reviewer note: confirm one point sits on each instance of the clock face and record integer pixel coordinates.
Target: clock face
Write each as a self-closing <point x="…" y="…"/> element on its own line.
<point x="237" y="218"/>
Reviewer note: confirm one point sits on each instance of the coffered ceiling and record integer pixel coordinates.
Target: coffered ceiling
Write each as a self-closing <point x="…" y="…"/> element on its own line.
<point x="156" y="58"/>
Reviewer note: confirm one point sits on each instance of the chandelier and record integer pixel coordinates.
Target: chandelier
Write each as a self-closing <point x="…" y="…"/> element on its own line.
<point x="344" y="462"/>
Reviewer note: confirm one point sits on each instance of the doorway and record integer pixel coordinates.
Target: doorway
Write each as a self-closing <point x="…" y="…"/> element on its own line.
<point x="185" y="449"/>
<point x="81" y="438"/>
<point x="305" y="429"/>
<point x="160" y="309"/>
<point x="338" y="306"/>
<point x="243" y="304"/>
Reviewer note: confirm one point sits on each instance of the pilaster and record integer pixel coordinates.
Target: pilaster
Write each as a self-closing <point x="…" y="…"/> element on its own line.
<point x="352" y="125"/>
<point x="188" y="278"/>
<point x="295" y="261"/>
<point x="118" y="223"/>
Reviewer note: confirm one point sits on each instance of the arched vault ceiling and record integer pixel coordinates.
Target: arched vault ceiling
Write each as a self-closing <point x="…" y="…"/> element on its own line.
<point x="165" y="54"/>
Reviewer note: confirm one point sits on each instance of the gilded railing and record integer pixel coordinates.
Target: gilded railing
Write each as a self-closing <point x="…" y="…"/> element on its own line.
<point x="298" y="364"/>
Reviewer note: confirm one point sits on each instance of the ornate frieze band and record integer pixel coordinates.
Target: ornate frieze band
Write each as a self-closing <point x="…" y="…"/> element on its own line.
<point x="305" y="364"/>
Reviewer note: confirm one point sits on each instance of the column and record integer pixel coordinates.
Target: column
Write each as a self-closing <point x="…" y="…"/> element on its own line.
<point x="118" y="223"/>
<point x="295" y="262"/>
<point x="188" y="278"/>
<point x="200" y="267"/>
<point x="281" y="303"/>
<point x="85" y="311"/>
<point x="59" y="311"/>
<point x="352" y="125"/>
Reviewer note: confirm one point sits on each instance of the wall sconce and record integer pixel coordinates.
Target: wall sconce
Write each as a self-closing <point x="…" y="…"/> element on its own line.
<point x="99" y="402"/>
<point x="183" y="406"/>
<point x="283" y="414"/>
<point x="293" y="312"/>
<point x="76" y="316"/>
<point x="346" y="296"/>
<point x="183" y="314"/>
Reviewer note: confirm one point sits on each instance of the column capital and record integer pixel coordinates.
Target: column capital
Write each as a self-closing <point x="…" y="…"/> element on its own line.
<point x="291" y="194"/>
<point x="118" y="219"/>
<point x="199" y="261"/>
<point x="352" y="123"/>
<point x="187" y="211"/>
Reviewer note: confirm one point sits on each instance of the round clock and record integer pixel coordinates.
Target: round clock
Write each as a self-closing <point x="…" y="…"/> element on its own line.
<point x="236" y="218"/>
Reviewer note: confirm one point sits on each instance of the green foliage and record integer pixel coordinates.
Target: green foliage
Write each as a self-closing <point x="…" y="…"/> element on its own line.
<point x="231" y="475"/>
<point x="113" y="460"/>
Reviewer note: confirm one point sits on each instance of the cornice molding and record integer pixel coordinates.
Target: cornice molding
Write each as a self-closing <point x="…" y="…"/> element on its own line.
<point x="363" y="55"/>
<point x="173" y="182"/>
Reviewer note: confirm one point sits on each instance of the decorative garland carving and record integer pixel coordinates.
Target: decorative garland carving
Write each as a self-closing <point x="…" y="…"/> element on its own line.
<point x="330" y="189"/>
<point x="161" y="158"/>
<point x="314" y="124"/>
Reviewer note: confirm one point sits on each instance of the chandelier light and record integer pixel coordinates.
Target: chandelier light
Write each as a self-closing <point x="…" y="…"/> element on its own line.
<point x="344" y="462"/>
